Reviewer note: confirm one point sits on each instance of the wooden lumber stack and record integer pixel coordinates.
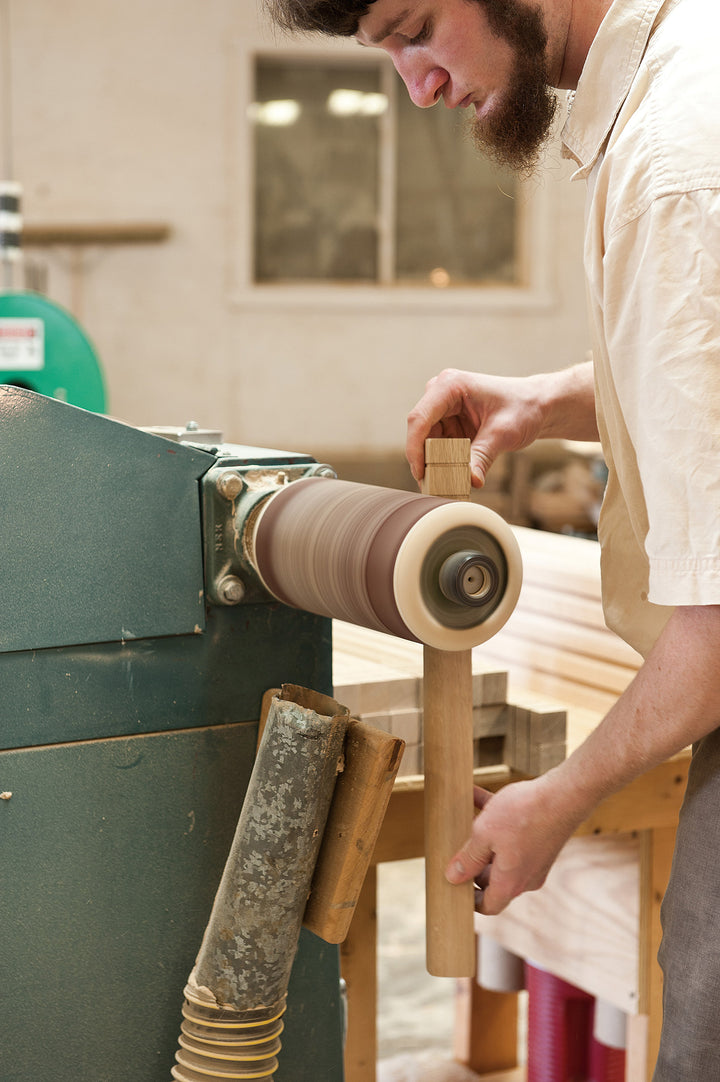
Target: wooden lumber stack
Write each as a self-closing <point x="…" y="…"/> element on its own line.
<point x="556" y="645"/>
<point x="380" y="679"/>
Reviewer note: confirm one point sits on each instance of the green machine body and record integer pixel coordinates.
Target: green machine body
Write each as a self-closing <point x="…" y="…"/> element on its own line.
<point x="128" y="726"/>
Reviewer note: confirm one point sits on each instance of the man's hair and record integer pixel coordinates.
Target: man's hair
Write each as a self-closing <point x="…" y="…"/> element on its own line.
<point x="339" y="18"/>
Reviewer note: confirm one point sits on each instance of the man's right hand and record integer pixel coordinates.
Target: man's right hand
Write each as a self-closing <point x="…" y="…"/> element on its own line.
<point x="500" y="413"/>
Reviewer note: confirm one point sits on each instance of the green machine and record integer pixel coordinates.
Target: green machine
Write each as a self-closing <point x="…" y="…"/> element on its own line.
<point x="43" y="348"/>
<point x="131" y="689"/>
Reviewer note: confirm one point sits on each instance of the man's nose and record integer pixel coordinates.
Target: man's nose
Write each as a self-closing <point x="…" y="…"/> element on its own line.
<point x="424" y="81"/>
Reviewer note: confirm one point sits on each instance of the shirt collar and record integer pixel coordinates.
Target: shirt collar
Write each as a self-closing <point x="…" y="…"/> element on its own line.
<point x="611" y="65"/>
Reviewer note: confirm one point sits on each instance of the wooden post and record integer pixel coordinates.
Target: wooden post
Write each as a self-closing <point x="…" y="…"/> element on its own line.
<point x="358" y="958"/>
<point x="448" y="757"/>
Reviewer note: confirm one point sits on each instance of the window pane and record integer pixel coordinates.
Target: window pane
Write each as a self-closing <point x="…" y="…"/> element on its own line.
<point x="316" y="167"/>
<point x="456" y="219"/>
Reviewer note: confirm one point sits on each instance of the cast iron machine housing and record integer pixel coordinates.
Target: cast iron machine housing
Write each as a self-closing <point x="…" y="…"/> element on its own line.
<point x="131" y="688"/>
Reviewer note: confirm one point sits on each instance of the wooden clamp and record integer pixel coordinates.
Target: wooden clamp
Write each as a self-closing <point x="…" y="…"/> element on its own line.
<point x="448" y="756"/>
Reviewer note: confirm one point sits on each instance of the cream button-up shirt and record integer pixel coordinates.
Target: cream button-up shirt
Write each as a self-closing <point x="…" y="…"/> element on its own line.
<point x="644" y="130"/>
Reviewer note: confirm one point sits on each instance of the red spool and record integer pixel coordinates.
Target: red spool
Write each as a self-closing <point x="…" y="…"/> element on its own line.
<point x="561" y="1046"/>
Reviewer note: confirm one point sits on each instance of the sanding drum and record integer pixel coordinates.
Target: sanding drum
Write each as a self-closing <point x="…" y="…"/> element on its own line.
<point x="432" y="570"/>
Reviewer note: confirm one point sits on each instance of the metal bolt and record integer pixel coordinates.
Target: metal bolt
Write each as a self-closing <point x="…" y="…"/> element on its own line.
<point x="325" y="471"/>
<point x="231" y="590"/>
<point x="230" y="484"/>
<point x="192" y="426"/>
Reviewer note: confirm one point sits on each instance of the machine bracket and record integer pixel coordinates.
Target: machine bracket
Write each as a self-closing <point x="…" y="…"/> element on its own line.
<point x="232" y="492"/>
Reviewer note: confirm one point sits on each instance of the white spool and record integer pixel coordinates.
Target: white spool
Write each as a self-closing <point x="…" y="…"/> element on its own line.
<point x="411" y="597"/>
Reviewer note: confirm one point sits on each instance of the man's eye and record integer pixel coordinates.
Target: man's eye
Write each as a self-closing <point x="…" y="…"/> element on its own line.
<point x="423" y="35"/>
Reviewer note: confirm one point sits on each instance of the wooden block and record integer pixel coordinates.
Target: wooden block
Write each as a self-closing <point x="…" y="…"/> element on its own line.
<point x="489" y="687"/>
<point x="380" y="695"/>
<point x="444" y="451"/>
<point x="491" y="720"/>
<point x="510" y="748"/>
<point x="407" y="726"/>
<point x="547" y="726"/>
<point x="488" y="751"/>
<point x="447" y="468"/>
<point x="544" y="757"/>
<point x="383" y="722"/>
<point x="358" y="807"/>
<point x="519" y="746"/>
<point x="412" y="761"/>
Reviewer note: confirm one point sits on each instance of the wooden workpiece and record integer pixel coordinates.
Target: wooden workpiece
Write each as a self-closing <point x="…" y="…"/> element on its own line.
<point x="448" y="758"/>
<point x="447" y="469"/>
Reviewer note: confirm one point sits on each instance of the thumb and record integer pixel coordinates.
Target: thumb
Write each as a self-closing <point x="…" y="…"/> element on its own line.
<point x="482" y="456"/>
<point x="469" y="861"/>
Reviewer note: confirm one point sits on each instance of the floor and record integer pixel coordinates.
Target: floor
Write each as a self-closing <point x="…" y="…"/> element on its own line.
<point x="415" y="1010"/>
<point x="433" y="1068"/>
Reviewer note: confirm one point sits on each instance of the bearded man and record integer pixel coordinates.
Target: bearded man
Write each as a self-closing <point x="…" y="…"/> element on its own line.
<point x="644" y="132"/>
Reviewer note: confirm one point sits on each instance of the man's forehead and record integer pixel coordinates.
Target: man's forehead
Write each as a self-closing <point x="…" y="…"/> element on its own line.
<point x="383" y="18"/>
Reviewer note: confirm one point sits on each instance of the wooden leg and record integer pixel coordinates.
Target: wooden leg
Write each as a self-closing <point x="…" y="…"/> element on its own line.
<point x="358" y="960"/>
<point x="486" y="1036"/>
<point x="655" y="861"/>
<point x="448" y="756"/>
<point x="448" y="740"/>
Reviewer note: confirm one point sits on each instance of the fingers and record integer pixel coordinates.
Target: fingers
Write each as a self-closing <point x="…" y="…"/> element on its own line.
<point x="440" y="412"/>
<point x="480" y="797"/>
<point x="455" y="404"/>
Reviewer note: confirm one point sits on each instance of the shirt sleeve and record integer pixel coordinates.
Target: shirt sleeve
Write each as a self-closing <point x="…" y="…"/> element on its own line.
<point x="662" y="328"/>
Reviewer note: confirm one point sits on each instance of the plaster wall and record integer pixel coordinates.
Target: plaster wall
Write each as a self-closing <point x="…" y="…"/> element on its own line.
<point x="136" y="112"/>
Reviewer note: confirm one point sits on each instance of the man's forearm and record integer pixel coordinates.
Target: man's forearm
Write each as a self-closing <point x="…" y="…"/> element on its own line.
<point x="568" y="403"/>
<point x="673" y="701"/>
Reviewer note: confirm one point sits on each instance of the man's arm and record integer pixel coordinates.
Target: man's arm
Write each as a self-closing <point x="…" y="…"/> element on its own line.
<point x="502" y="413"/>
<point x="673" y="701"/>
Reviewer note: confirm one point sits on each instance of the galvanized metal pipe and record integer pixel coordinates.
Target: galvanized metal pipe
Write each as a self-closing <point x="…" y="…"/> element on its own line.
<point x="235" y="996"/>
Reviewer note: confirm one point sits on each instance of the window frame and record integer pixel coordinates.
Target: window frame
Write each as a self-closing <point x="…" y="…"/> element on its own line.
<point x="533" y="291"/>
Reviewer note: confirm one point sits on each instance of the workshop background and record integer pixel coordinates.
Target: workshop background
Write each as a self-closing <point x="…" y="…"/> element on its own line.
<point x="137" y="134"/>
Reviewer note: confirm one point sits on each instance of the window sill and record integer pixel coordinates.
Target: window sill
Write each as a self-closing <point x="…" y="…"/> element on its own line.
<point x="328" y="297"/>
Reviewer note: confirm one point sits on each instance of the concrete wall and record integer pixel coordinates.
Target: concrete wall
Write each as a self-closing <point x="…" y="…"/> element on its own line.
<point x="136" y="111"/>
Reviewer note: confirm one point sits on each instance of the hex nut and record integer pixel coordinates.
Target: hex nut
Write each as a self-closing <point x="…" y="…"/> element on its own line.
<point x="230" y="484"/>
<point x="231" y="590"/>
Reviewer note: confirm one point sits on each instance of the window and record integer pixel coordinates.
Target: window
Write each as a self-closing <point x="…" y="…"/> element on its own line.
<point x="353" y="183"/>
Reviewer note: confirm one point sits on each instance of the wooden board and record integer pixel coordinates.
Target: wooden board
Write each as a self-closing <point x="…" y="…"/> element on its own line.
<point x="360" y="799"/>
<point x="356" y="814"/>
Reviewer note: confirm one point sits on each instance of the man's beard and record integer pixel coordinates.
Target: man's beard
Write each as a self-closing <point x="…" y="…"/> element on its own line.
<point x="515" y="132"/>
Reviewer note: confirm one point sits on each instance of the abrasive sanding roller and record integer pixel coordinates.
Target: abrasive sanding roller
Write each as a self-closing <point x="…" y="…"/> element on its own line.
<point x="436" y="571"/>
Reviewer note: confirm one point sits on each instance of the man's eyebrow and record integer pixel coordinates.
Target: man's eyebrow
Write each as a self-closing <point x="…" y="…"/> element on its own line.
<point x="388" y="28"/>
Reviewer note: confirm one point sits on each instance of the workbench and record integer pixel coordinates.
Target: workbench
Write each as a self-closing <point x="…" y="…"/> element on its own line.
<point x="596" y="922"/>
